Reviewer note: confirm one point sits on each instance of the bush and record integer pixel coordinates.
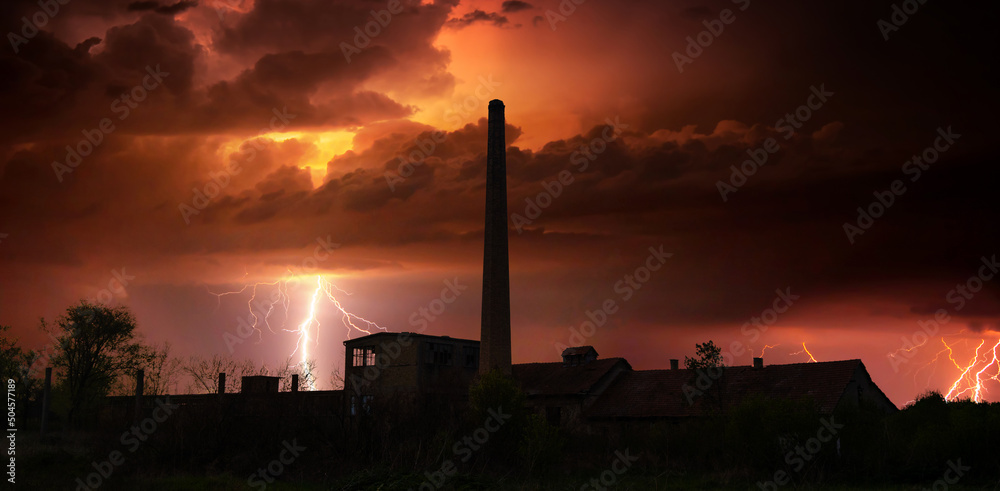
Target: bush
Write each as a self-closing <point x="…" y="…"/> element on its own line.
<point x="493" y="393"/>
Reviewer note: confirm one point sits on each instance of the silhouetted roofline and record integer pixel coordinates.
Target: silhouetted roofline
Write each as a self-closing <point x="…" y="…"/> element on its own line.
<point x="375" y="335"/>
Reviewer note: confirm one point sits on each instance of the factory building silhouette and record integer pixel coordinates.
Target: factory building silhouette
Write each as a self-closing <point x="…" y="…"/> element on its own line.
<point x="581" y="388"/>
<point x="413" y="371"/>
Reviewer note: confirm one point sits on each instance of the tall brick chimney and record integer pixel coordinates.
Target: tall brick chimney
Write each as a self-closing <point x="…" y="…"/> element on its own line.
<point x="494" y="349"/>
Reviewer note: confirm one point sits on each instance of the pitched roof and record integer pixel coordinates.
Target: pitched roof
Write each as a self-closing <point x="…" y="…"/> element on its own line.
<point x="558" y="379"/>
<point x="659" y="393"/>
<point x="644" y="394"/>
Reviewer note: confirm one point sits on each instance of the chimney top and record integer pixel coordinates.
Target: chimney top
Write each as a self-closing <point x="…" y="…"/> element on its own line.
<point x="496" y="102"/>
<point x="758" y="362"/>
<point x="674" y="364"/>
<point x="578" y="355"/>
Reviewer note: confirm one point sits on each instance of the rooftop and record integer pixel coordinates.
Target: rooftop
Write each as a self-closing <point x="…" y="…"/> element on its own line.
<point x="558" y="379"/>
<point x="660" y="394"/>
<point x="412" y="335"/>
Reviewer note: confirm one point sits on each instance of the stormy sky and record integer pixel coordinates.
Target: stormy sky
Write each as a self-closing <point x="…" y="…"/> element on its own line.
<point x="159" y="154"/>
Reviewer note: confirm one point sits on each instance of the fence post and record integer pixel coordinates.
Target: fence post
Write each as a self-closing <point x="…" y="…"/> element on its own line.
<point x="46" y="391"/>
<point x="139" y="376"/>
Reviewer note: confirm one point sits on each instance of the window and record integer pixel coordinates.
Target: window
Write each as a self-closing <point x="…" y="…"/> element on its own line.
<point x="364" y="356"/>
<point x="471" y="356"/>
<point x="439" y="354"/>
<point x="365" y="404"/>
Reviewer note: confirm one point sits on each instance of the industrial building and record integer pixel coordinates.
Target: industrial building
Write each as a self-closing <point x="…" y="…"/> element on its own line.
<point x="582" y="388"/>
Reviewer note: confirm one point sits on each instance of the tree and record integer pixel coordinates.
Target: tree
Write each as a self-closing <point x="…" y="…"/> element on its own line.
<point x="11" y="355"/>
<point x="160" y="370"/>
<point x="709" y="356"/>
<point x="336" y="379"/>
<point x="306" y="371"/>
<point x="15" y="364"/>
<point x="495" y="393"/>
<point x="96" y="345"/>
<point x="707" y="368"/>
<point x="204" y="373"/>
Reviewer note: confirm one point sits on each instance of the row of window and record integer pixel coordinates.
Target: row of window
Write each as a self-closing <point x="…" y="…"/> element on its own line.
<point x="363" y="357"/>
<point x="441" y="354"/>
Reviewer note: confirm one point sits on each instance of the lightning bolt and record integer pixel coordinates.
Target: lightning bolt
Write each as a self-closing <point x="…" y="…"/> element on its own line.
<point x="965" y="371"/>
<point x="279" y="298"/>
<point x="806" y="351"/>
<point x="914" y="348"/>
<point x="762" y="350"/>
<point x="933" y="363"/>
<point x="308" y="329"/>
<point x="907" y="350"/>
<point x="971" y="384"/>
<point x="979" y="381"/>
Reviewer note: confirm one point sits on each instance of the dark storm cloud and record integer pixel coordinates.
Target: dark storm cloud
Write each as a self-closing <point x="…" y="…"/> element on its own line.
<point x="511" y="6"/>
<point x="58" y="90"/>
<point x="166" y="9"/>
<point x="657" y="184"/>
<point x="478" y="16"/>
<point x="321" y="26"/>
<point x="934" y="70"/>
<point x="785" y="227"/>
